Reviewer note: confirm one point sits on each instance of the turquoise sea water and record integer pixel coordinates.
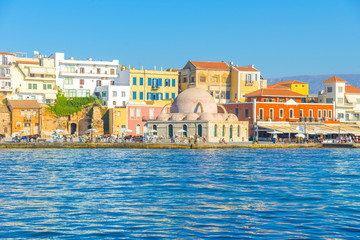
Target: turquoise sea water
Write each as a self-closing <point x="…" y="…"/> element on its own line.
<point x="187" y="194"/>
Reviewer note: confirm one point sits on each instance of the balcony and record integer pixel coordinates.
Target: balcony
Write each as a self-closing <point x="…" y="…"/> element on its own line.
<point x="6" y="88"/>
<point x="249" y="84"/>
<point x="93" y="74"/>
<point x="5" y="76"/>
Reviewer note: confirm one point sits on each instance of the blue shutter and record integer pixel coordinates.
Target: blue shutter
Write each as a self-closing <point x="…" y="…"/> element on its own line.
<point x="166" y="95"/>
<point x="173" y="82"/>
<point x="134" y="95"/>
<point x="161" y="96"/>
<point x="141" y="81"/>
<point x="134" y="80"/>
<point x="160" y="82"/>
<point x="173" y="95"/>
<point x="141" y="96"/>
<point x="227" y="95"/>
<point x="149" y="81"/>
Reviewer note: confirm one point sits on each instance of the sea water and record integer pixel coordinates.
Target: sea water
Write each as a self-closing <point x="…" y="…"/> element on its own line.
<point x="187" y="194"/>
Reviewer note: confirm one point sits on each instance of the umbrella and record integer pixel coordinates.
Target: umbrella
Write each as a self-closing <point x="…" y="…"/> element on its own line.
<point x="181" y="130"/>
<point x="91" y="130"/>
<point x="153" y="130"/>
<point x="127" y="130"/>
<point x="274" y="132"/>
<point x="15" y="134"/>
<point x="57" y="131"/>
<point x="300" y="135"/>
<point x="117" y="130"/>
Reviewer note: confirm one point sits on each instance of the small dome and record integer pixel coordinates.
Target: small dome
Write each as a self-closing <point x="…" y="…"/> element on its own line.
<point x="232" y="118"/>
<point x="192" y="100"/>
<point x="206" y="116"/>
<point x="163" y="117"/>
<point x="177" y="116"/>
<point x="191" y="116"/>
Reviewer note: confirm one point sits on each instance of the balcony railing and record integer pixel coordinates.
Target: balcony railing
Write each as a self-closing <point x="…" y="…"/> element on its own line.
<point x="147" y="118"/>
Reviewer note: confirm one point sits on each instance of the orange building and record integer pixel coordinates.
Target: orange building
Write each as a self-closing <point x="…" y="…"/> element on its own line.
<point x="280" y="105"/>
<point x="25" y="116"/>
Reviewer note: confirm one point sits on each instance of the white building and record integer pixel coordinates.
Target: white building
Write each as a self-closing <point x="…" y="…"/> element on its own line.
<point x="6" y="68"/>
<point x="345" y="97"/>
<point x="83" y="78"/>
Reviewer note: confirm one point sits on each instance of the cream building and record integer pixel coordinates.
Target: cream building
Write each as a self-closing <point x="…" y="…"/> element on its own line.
<point x="195" y="112"/>
<point x="6" y="72"/>
<point x="34" y="79"/>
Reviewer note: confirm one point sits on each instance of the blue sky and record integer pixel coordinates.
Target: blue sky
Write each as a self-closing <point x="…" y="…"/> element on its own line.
<point x="282" y="38"/>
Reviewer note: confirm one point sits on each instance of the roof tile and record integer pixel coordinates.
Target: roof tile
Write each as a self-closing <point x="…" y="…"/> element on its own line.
<point x="334" y="79"/>
<point x="211" y="65"/>
<point x="23" y="104"/>
<point x="275" y="92"/>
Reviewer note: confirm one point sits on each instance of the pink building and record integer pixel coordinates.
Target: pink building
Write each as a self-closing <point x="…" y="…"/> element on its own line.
<point x="138" y="115"/>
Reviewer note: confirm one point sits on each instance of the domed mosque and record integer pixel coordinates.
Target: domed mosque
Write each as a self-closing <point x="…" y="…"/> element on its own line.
<point x="195" y="112"/>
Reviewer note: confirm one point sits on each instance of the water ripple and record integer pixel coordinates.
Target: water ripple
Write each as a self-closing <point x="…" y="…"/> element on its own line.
<point x="187" y="194"/>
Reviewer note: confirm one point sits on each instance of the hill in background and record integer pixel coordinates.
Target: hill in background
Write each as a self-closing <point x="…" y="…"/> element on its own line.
<point x="315" y="81"/>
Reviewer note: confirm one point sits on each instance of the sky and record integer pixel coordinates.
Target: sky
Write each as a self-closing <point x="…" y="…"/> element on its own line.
<point x="281" y="38"/>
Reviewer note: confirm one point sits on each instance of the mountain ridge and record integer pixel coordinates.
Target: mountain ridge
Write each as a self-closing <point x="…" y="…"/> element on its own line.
<point x="315" y="81"/>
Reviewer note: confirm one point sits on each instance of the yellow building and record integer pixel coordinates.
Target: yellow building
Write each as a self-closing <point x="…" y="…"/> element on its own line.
<point x="213" y="77"/>
<point x="243" y="81"/>
<point x="117" y="120"/>
<point x="150" y="86"/>
<point x="34" y="79"/>
<point x="294" y="85"/>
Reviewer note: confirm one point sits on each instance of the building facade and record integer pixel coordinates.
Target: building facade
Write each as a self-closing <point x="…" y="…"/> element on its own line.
<point x="118" y="120"/>
<point x="25" y="116"/>
<point x="150" y="86"/>
<point x="34" y="79"/>
<point x="6" y="72"/>
<point x="294" y="85"/>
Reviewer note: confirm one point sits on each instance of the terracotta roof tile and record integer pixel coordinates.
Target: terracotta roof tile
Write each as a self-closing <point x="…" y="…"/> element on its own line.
<point x="7" y="53"/>
<point x="275" y="92"/>
<point x="246" y="69"/>
<point x="334" y="79"/>
<point x="351" y="89"/>
<point x="28" y="62"/>
<point x="211" y="65"/>
<point x="23" y="104"/>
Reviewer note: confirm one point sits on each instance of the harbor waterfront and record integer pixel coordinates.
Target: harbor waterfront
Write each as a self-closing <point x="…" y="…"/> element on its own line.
<point x="189" y="194"/>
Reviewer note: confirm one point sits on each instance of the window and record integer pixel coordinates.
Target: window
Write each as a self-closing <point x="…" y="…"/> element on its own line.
<point x="291" y="113"/>
<point x="271" y="113"/>
<point x="227" y="95"/>
<point x="134" y="80"/>
<point x="222" y="95"/>
<point x="81" y="70"/>
<point x="134" y="95"/>
<point x="329" y="89"/>
<point x="214" y="79"/>
<point x="151" y="113"/>
<point x="184" y="80"/>
<point x="281" y="113"/>
<point x="246" y="113"/>
<point x="118" y="113"/>
<point x="261" y="114"/>
<point x="166" y="95"/>
<point x="311" y="113"/>
<point x="173" y="96"/>
<point x="301" y="113"/>
<point x="68" y="81"/>
<point x="173" y="82"/>
<point x="138" y="129"/>
<point x="238" y="131"/>
<point x="215" y="130"/>
<point x="82" y="81"/>
<point x="329" y="100"/>
<point x="49" y="86"/>
<point x="138" y="112"/>
<point x="340" y="100"/>
<point x="217" y="94"/>
<point x="22" y="112"/>
<point x="319" y="114"/>
<point x="34" y="86"/>
<point x="114" y="102"/>
<point x="83" y="93"/>
<point x="33" y="97"/>
<point x="141" y="82"/>
<point x="132" y="112"/>
<point x="330" y="113"/>
<point x="29" y="86"/>
<point x="70" y="93"/>
<point x="70" y="68"/>
<point x="167" y="82"/>
<point x="324" y="113"/>
<point x="112" y="71"/>
<point x="223" y="131"/>
<point x="141" y="96"/>
<point x="114" y="93"/>
<point x="192" y="79"/>
<point x="104" y="94"/>
<point x="123" y="94"/>
<point x="149" y="81"/>
<point x="98" y="70"/>
<point x="202" y="79"/>
<point x="340" y="89"/>
<point x="42" y="75"/>
<point x="27" y="124"/>
<point x="237" y="112"/>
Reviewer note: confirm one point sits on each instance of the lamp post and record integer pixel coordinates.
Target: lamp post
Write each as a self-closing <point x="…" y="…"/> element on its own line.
<point x="339" y="133"/>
